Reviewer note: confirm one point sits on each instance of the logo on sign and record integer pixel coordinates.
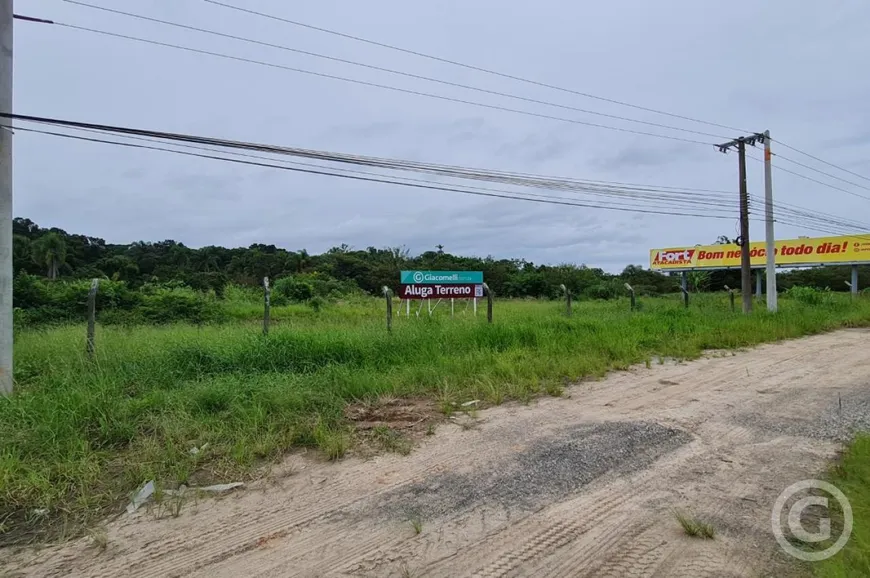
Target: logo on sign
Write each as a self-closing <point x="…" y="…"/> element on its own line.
<point x="418" y="277"/>
<point x="678" y="257"/>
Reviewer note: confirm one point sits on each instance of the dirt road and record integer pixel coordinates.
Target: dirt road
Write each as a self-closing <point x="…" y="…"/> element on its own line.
<point x="583" y="485"/>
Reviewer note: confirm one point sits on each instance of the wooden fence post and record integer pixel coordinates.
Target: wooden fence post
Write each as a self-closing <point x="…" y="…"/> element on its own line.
<point x="631" y="294"/>
<point x="730" y="296"/>
<point x="92" y="316"/>
<point x="267" y="305"/>
<point x="567" y="300"/>
<point x="389" y="297"/>
<point x="488" y="293"/>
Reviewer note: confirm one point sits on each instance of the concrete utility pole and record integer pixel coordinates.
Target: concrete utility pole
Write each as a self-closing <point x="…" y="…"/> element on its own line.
<point x="745" y="259"/>
<point x="6" y="17"/>
<point x="770" y="241"/>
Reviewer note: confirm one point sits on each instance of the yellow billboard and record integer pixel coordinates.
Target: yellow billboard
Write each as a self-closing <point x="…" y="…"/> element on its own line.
<point x="806" y="252"/>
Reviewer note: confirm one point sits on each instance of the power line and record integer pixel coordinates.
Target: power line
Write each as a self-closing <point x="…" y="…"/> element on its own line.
<point x="808" y="221"/>
<point x="468" y="66"/>
<point x="604" y="188"/>
<point x="444" y="170"/>
<point x="501" y="195"/>
<point x="794" y="162"/>
<point x="668" y="205"/>
<point x="383" y="69"/>
<point x="372" y="84"/>
<point x="525" y="80"/>
<point x="824" y="184"/>
<point x="416" y="92"/>
<point x="824" y="162"/>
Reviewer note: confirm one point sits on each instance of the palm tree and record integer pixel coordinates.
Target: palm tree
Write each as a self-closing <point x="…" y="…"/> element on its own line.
<point x="50" y="251"/>
<point x="302" y="260"/>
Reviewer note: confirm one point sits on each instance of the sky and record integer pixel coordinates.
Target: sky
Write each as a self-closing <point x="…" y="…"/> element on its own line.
<point x="794" y="68"/>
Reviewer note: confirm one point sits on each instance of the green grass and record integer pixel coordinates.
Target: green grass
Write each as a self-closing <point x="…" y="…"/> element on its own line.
<point x="78" y="437"/>
<point x="694" y="527"/>
<point x="852" y="477"/>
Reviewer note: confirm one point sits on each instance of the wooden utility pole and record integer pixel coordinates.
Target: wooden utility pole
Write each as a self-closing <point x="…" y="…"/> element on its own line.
<point x="743" y="241"/>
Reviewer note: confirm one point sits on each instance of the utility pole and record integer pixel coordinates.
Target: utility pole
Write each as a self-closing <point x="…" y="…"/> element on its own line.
<point x="6" y="18"/>
<point x="768" y="227"/>
<point x="745" y="259"/>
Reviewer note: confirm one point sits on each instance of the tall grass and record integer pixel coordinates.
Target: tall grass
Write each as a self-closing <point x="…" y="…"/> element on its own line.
<point x="78" y="436"/>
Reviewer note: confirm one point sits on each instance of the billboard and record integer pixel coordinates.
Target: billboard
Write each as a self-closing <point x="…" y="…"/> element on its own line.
<point x="441" y="284"/>
<point x="442" y="277"/>
<point x="844" y="250"/>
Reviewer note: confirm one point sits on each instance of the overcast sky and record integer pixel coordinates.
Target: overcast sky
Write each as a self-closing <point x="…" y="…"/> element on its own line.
<point x="797" y="68"/>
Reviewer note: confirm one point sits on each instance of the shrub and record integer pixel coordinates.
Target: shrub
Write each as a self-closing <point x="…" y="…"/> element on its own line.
<point x="166" y="305"/>
<point x="810" y="295"/>
<point x="294" y="289"/>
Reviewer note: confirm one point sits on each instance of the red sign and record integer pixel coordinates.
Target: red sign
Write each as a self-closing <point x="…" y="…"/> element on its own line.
<point x="451" y="291"/>
<point x="674" y="257"/>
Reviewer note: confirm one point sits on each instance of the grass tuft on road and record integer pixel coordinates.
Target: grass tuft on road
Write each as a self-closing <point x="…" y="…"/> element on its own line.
<point x="694" y="527"/>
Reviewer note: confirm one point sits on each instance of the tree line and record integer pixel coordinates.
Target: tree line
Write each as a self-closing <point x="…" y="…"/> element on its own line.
<point x="52" y="253"/>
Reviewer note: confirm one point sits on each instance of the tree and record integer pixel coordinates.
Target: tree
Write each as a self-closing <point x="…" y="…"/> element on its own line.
<point x="22" y="253"/>
<point x="440" y="249"/>
<point x="50" y="251"/>
<point x="303" y="259"/>
<point x="698" y="280"/>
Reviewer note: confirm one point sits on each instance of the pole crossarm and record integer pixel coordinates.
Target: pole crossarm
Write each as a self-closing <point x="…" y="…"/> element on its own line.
<point x="751" y="140"/>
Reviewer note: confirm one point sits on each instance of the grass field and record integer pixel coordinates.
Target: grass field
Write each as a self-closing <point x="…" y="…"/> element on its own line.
<point x="852" y="477"/>
<point x="79" y="436"/>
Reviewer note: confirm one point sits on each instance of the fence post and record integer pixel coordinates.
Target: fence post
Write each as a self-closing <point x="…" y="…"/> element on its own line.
<point x="631" y="294"/>
<point x="92" y="316"/>
<point x="685" y="296"/>
<point x="389" y="297"/>
<point x="267" y="305"/>
<point x="567" y="300"/>
<point x="730" y="296"/>
<point x="488" y="293"/>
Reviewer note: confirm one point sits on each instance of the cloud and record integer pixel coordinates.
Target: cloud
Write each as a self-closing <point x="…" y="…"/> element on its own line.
<point x="639" y="157"/>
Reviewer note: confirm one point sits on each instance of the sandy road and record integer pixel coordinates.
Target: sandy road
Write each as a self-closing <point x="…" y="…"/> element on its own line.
<point x="583" y="485"/>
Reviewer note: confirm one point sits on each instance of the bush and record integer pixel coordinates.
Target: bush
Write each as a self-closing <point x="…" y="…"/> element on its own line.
<point x="165" y="305"/>
<point x="294" y="289"/>
<point x="810" y="295"/>
<point x="43" y="302"/>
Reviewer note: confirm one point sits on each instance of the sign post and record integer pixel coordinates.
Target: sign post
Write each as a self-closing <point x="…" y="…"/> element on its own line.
<point x="388" y="295"/>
